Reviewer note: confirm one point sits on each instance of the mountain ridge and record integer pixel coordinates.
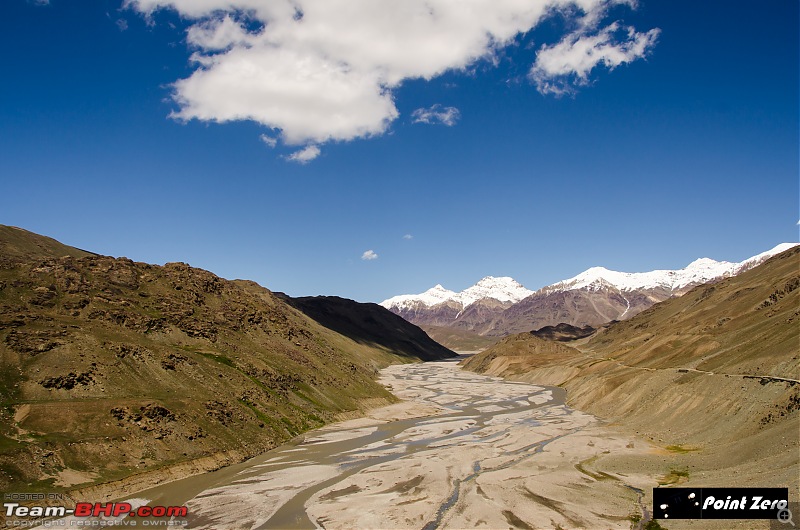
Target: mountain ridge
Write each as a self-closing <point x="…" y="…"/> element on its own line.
<point x="502" y="289"/>
<point x="18" y="244"/>
<point x="699" y="271"/>
<point x="117" y="375"/>
<point x="594" y="297"/>
<point x="712" y="377"/>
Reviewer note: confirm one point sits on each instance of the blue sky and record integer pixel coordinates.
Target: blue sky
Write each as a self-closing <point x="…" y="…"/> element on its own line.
<point x="633" y="137"/>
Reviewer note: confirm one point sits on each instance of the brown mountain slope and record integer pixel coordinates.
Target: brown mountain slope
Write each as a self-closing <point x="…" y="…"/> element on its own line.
<point x="112" y="369"/>
<point x="443" y="314"/>
<point x="370" y="324"/>
<point x="17" y="244"/>
<point x="747" y="324"/>
<point x="513" y="355"/>
<point x="594" y="297"/>
<point x="580" y="307"/>
<point x="459" y="340"/>
<point x="476" y="317"/>
<point x="714" y="371"/>
<point x="563" y="332"/>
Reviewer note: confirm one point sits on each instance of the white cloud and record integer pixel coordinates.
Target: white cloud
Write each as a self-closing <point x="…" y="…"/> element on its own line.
<point x="218" y="34"/>
<point x="268" y="140"/>
<point x="437" y="114"/>
<point x="562" y="67"/>
<point x="369" y="255"/>
<point x="122" y="24"/>
<point x="325" y="70"/>
<point x="305" y="155"/>
<point x="408" y="236"/>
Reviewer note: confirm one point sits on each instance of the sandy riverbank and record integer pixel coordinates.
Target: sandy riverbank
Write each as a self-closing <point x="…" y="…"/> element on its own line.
<point x="462" y="451"/>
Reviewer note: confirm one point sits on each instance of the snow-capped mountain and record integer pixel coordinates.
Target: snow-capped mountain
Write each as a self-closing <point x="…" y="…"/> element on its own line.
<point x="502" y="289"/>
<point x="441" y="307"/>
<point x="758" y="259"/>
<point x="433" y="296"/>
<point x="500" y="306"/>
<point x="700" y="271"/>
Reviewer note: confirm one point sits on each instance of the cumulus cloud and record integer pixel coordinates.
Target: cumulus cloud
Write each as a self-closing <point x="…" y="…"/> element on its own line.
<point x="436" y="114"/>
<point x="562" y="67"/>
<point x="268" y="140"/>
<point x="305" y="155"/>
<point x="408" y="237"/>
<point x="369" y="255"/>
<point x="319" y="71"/>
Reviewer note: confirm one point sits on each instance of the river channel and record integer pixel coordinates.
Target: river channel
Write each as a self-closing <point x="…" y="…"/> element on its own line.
<point x="463" y="450"/>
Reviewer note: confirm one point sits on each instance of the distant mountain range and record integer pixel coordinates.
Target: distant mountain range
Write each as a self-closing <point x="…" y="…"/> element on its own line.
<point x="501" y="306"/>
<point x="712" y="372"/>
<point x="469" y="309"/>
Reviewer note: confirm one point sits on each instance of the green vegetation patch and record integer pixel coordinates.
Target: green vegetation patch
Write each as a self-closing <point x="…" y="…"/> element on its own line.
<point x="9" y="444"/>
<point x="597" y="475"/>
<point x="679" y="448"/>
<point x="227" y="361"/>
<point x="675" y="476"/>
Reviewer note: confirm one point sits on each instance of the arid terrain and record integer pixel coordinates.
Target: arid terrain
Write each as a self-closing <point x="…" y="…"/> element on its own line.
<point x="497" y="307"/>
<point x="461" y="450"/>
<point x="710" y="377"/>
<point x="127" y="380"/>
<point x="118" y="375"/>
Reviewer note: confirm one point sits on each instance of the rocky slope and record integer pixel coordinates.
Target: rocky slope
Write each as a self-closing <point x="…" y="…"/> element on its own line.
<point x="370" y="324"/>
<point x="460" y="340"/>
<point x="599" y="295"/>
<point x="17" y="244"/>
<point x="112" y="369"/>
<point x="712" y="376"/>
<point x="500" y="306"/>
<point x="563" y="332"/>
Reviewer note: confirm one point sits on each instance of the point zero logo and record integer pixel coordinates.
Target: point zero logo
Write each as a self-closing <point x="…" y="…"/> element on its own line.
<point x="719" y="503"/>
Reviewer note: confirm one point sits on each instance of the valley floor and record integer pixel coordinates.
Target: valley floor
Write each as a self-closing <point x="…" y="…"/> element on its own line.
<point x="462" y="451"/>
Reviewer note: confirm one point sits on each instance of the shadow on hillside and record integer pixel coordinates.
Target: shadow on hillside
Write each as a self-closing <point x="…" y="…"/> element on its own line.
<point x="370" y="324"/>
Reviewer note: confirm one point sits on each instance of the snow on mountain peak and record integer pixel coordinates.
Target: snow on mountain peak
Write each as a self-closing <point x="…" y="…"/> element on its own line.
<point x="699" y="271"/>
<point x="433" y="296"/>
<point x="703" y="263"/>
<point x="756" y="260"/>
<point x="504" y="289"/>
<point x="596" y="278"/>
<point x="777" y="249"/>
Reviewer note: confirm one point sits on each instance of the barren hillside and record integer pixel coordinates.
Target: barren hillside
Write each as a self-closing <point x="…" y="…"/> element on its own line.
<point x="711" y="376"/>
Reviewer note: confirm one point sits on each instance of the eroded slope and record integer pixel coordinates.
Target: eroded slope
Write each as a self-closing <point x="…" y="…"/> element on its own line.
<point x="711" y="376"/>
<point x="112" y="368"/>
